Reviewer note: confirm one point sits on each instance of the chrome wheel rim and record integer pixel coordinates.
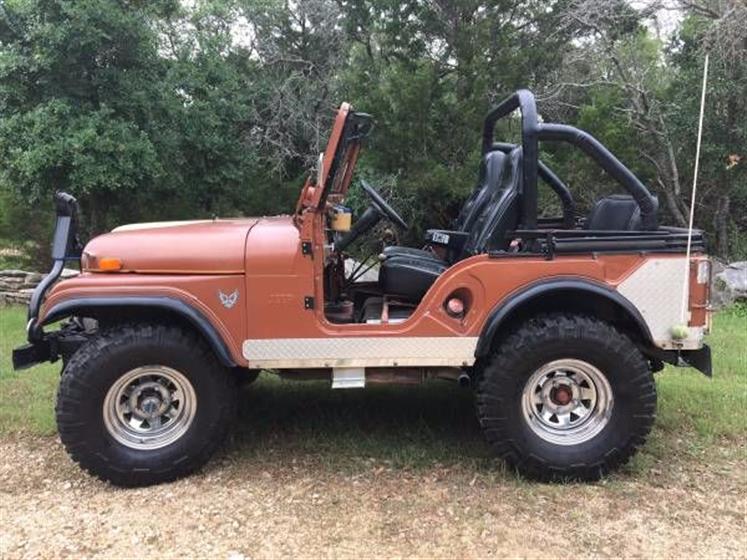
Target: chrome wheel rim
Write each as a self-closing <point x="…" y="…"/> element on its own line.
<point x="567" y="402"/>
<point x="149" y="407"/>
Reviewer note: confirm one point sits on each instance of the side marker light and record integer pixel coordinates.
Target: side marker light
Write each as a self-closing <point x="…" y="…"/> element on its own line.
<point x="109" y="264"/>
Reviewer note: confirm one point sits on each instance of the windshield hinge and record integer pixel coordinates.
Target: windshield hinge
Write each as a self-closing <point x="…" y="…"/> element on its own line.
<point x="306" y="248"/>
<point x="308" y="302"/>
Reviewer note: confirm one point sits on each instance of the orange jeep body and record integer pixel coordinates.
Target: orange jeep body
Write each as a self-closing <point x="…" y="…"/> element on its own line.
<point x="275" y="277"/>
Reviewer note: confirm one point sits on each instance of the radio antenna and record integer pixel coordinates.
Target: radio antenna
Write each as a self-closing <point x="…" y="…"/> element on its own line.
<point x="686" y="284"/>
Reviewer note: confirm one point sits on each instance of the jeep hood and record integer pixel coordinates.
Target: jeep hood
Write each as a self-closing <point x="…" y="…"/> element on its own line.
<point x="196" y="247"/>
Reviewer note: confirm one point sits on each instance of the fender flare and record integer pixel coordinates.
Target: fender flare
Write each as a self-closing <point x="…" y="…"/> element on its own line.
<point x="195" y="318"/>
<point x="506" y="307"/>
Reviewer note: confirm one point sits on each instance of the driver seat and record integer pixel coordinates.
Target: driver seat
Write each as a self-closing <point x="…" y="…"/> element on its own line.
<point x="491" y="170"/>
<point x="411" y="275"/>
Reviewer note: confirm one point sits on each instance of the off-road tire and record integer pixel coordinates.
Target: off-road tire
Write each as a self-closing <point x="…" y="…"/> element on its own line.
<point x="545" y="339"/>
<point x="100" y="362"/>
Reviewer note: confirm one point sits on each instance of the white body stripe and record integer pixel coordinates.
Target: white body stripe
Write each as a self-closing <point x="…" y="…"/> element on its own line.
<point x="348" y="352"/>
<point x="655" y="289"/>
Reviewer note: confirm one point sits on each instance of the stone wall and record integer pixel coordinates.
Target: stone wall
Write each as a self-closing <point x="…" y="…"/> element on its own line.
<point x="16" y="286"/>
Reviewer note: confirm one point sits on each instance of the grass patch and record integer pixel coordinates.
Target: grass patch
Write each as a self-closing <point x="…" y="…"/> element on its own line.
<point x="26" y="397"/>
<point x="712" y="408"/>
<point x="416" y="426"/>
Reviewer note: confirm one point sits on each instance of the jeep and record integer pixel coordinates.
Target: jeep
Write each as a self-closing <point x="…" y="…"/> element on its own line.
<point x="556" y="323"/>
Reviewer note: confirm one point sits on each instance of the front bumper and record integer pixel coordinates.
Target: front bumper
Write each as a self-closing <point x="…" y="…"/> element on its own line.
<point x="50" y="347"/>
<point x="33" y="353"/>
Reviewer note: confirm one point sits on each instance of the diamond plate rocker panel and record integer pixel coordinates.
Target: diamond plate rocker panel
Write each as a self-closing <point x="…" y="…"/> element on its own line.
<point x="360" y="352"/>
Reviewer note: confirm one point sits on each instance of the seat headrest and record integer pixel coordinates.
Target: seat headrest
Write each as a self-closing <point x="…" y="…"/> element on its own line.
<point x="493" y="164"/>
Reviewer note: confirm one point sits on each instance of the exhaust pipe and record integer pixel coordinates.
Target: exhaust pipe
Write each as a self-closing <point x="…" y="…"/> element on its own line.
<point x="464" y="380"/>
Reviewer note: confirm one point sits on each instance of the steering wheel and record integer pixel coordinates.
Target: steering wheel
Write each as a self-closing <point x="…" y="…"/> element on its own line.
<point x="382" y="205"/>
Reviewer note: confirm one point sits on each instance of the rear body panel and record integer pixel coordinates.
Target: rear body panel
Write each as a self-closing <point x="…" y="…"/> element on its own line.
<point x="279" y="277"/>
<point x="291" y="336"/>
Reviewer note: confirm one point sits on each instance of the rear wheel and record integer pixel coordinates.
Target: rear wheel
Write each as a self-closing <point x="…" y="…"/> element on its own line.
<point x="143" y="404"/>
<point x="566" y="397"/>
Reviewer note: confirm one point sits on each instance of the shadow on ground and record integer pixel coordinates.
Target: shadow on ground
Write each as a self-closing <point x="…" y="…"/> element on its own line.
<point x="410" y="426"/>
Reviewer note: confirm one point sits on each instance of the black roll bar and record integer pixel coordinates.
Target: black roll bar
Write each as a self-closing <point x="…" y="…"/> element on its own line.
<point x="524" y="101"/>
<point x="532" y="131"/>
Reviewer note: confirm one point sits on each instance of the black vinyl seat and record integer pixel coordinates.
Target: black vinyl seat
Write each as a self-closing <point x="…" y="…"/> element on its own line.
<point x="411" y="275"/>
<point x="618" y="212"/>
<point x="491" y="169"/>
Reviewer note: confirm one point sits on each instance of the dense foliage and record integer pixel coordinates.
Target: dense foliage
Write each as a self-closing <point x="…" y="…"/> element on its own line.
<point x="157" y="109"/>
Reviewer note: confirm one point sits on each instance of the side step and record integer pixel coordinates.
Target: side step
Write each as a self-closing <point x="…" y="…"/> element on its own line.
<point x="349" y="378"/>
<point x="358" y="377"/>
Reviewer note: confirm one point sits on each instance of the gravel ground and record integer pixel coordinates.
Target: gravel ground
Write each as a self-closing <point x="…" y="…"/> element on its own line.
<point x="237" y="508"/>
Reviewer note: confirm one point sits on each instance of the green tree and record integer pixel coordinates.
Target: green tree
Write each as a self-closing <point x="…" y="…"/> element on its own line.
<point x="78" y="85"/>
<point x="429" y="72"/>
<point x="164" y="109"/>
<point x="722" y="206"/>
<point x="141" y="109"/>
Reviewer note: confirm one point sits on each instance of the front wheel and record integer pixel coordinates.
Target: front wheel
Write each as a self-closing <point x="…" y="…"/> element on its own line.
<point x="143" y="404"/>
<point x="566" y="397"/>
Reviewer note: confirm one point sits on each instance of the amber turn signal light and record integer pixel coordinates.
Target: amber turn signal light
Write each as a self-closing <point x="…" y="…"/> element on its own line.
<point x="109" y="264"/>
